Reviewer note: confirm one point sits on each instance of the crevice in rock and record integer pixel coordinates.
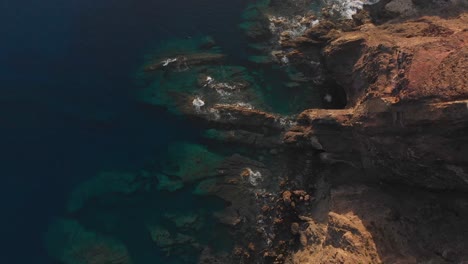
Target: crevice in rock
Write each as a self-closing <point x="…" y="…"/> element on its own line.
<point x="334" y="96"/>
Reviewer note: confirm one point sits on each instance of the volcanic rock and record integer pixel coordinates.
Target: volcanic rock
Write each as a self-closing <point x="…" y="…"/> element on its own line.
<point x="407" y="93"/>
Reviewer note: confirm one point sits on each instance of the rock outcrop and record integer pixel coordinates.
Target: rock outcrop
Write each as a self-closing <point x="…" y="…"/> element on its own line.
<point x="185" y="61"/>
<point x="368" y="224"/>
<point x="381" y="180"/>
<point x="392" y="183"/>
<point x="407" y="102"/>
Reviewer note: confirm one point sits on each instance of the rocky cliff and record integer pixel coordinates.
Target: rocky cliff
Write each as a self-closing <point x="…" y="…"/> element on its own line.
<point x="395" y="159"/>
<point x="407" y="108"/>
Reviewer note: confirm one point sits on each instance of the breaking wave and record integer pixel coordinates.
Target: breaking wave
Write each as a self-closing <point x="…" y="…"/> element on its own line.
<point x="347" y="8"/>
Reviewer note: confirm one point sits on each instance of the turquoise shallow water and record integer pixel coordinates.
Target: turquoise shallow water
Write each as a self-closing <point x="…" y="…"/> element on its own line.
<point x="69" y="111"/>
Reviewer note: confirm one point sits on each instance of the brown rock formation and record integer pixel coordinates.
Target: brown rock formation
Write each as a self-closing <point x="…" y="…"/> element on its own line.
<point x="393" y="184"/>
<point x="362" y="224"/>
<point x="383" y="180"/>
<point x="245" y="117"/>
<point x="419" y="59"/>
<point x="406" y="85"/>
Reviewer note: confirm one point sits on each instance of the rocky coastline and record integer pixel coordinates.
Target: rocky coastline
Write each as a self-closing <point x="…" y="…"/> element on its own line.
<point x="375" y="172"/>
<point x="384" y="179"/>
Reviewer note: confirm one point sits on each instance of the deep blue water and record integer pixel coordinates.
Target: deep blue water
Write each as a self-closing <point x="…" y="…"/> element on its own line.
<point x="67" y="108"/>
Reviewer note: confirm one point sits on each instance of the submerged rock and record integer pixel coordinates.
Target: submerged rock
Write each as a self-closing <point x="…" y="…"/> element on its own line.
<point x="69" y="242"/>
<point x="200" y="86"/>
<point x="244" y="137"/>
<point x="255" y="23"/>
<point x="106" y="183"/>
<point x="190" y="162"/>
<point x="186" y="221"/>
<point x="185" y="61"/>
<point x="167" y="241"/>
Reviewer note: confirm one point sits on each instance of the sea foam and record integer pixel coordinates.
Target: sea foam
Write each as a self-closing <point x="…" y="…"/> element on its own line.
<point x="347" y="8"/>
<point x="254" y="177"/>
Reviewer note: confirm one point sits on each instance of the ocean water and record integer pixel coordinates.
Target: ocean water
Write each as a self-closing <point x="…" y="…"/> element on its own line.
<point x="67" y="107"/>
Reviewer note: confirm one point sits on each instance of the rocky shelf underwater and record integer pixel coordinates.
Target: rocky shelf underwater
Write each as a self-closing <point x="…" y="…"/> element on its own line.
<point x="311" y="148"/>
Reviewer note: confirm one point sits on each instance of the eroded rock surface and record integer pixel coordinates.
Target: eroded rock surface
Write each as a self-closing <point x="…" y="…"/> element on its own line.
<point x="369" y="224"/>
<point x="384" y="179"/>
<point x="392" y="186"/>
<point x="406" y="85"/>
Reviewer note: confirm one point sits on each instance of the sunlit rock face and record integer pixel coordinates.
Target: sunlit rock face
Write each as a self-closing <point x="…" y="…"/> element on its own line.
<point x="397" y="80"/>
<point x="403" y="123"/>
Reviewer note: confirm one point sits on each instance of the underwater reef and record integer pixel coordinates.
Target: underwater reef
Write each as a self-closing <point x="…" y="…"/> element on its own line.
<point x="341" y="138"/>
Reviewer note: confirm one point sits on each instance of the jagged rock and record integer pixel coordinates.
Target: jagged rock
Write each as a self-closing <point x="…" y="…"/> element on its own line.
<point x="322" y="32"/>
<point x="287" y="197"/>
<point x="240" y="194"/>
<point x="241" y="117"/>
<point x="403" y="8"/>
<point x="361" y="224"/>
<point x="295" y="228"/>
<point x="406" y="86"/>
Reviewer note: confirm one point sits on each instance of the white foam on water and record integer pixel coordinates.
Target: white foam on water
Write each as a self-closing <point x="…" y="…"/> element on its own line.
<point x="208" y="80"/>
<point x="226" y="86"/>
<point x="286" y="122"/>
<point x="315" y="63"/>
<point x="297" y="31"/>
<point x="198" y="103"/>
<point x="348" y="8"/>
<point x="244" y="105"/>
<point x="223" y="93"/>
<point x="168" y="61"/>
<point x="254" y="177"/>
